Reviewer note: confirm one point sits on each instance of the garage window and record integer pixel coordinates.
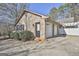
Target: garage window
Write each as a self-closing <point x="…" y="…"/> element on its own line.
<point x="20" y="27"/>
<point x="38" y="27"/>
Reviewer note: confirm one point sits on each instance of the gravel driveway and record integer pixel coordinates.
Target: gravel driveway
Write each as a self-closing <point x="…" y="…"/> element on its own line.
<point x="59" y="46"/>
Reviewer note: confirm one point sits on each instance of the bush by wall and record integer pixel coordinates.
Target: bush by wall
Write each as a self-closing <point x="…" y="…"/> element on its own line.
<point x="23" y="35"/>
<point x="27" y="35"/>
<point x="14" y="35"/>
<point x="11" y="35"/>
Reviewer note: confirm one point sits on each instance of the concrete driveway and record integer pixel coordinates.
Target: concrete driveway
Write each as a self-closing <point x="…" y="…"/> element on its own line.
<point x="59" y="46"/>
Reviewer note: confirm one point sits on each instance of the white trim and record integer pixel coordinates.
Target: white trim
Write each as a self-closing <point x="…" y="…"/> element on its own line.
<point x="70" y="24"/>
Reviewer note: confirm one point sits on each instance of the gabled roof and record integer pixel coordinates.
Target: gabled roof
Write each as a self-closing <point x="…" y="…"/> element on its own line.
<point x="24" y="11"/>
<point x="40" y="15"/>
<point x="35" y="13"/>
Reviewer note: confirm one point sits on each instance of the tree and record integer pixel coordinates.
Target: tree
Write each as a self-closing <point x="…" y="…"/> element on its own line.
<point x="53" y="13"/>
<point x="9" y="12"/>
<point x="74" y="9"/>
<point x="21" y="7"/>
<point x="64" y="11"/>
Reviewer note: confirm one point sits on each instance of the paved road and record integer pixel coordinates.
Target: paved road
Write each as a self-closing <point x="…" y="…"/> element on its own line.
<point x="59" y="46"/>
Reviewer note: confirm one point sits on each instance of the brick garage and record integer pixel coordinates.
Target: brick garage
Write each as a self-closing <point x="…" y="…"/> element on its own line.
<point x="40" y="25"/>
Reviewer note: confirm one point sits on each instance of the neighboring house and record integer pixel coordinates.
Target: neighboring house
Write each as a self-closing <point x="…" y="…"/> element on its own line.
<point x="69" y="19"/>
<point x="40" y="25"/>
<point x="69" y="26"/>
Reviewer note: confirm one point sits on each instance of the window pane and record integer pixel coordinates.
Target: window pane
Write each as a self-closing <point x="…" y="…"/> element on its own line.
<point x="20" y="27"/>
<point x="38" y="27"/>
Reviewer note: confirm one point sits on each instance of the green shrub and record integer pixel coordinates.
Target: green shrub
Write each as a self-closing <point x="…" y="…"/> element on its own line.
<point x="8" y="33"/>
<point x="23" y="35"/>
<point x="30" y="35"/>
<point x="20" y="35"/>
<point x="14" y="35"/>
<point x="27" y="35"/>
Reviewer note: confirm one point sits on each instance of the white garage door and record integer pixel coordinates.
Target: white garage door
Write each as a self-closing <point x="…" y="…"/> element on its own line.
<point x="55" y="30"/>
<point x="49" y="30"/>
<point x="61" y="31"/>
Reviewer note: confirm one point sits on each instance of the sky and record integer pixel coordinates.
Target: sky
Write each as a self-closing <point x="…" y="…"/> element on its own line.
<point x="43" y="8"/>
